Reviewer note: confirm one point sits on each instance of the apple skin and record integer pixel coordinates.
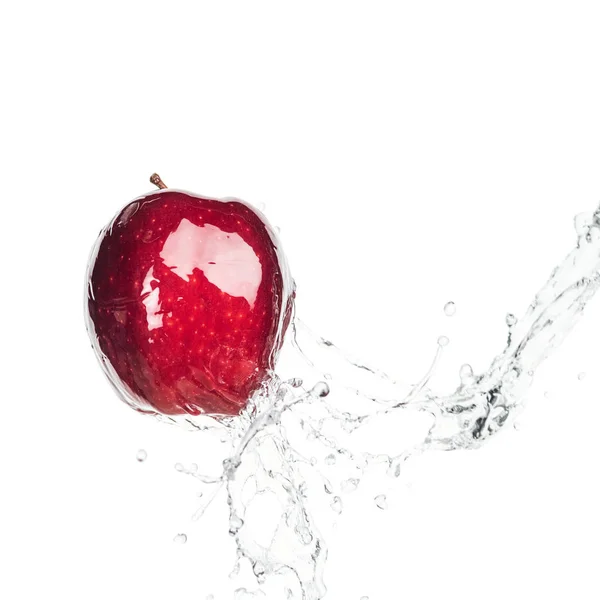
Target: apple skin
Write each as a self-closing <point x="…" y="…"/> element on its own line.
<point x="188" y="300"/>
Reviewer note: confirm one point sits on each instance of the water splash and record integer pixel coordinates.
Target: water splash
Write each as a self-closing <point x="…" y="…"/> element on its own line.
<point x="298" y="449"/>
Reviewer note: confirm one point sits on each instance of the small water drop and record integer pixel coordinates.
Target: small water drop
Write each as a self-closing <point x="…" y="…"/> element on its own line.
<point x="450" y="309"/>
<point x="330" y="459"/>
<point x="465" y="372"/>
<point x="443" y="341"/>
<point x="141" y="455"/>
<point x="210" y="597"/>
<point x="511" y="320"/>
<point x="364" y="598"/>
<point x="337" y="505"/>
<point x="381" y="501"/>
<point x="179" y="467"/>
<point x="581" y="376"/>
<point x="180" y="538"/>
<point x="313" y="461"/>
<point x="320" y="390"/>
<point x="517" y="426"/>
<point x="547" y="395"/>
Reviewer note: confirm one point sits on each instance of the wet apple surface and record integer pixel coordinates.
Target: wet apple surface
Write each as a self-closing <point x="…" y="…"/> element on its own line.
<point x="188" y="301"/>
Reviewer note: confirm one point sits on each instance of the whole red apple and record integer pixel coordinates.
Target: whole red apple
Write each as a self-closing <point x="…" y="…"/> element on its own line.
<point x="188" y="301"/>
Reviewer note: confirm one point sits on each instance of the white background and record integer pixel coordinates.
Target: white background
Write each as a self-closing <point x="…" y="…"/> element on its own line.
<point x="412" y="153"/>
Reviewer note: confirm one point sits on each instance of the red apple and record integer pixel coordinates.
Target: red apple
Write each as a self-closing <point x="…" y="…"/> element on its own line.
<point x="188" y="301"/>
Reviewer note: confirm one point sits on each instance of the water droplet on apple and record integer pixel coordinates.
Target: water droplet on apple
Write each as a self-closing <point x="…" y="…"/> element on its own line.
<point x="450" y="309"/>
<point x="443" y="341"/>
<point x="141" y="455"/>
<point x="191" y="409"/>
<point x="180" y="538"/>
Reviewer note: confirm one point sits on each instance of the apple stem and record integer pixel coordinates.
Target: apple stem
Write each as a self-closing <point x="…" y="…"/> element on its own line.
<point x="157" y="181"/>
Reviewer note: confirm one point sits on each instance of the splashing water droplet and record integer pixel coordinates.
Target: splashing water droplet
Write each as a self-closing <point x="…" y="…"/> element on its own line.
<point x="450" y="309"/>
<point x="141" y="455"/>
<point x="180" y="538"/>
<point x="511" y="320"/>
<point x="381" y="501"/>
<point x="337" y="505"/>
<point x="259" y="571"/>
<point x="320" y="390"/>
<point x="330" y="459"/>
<point x="581" y="376"/>
<point x="235" y="524"/>
<point x="465" y="373"/>
<point x="443" y="341"/>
